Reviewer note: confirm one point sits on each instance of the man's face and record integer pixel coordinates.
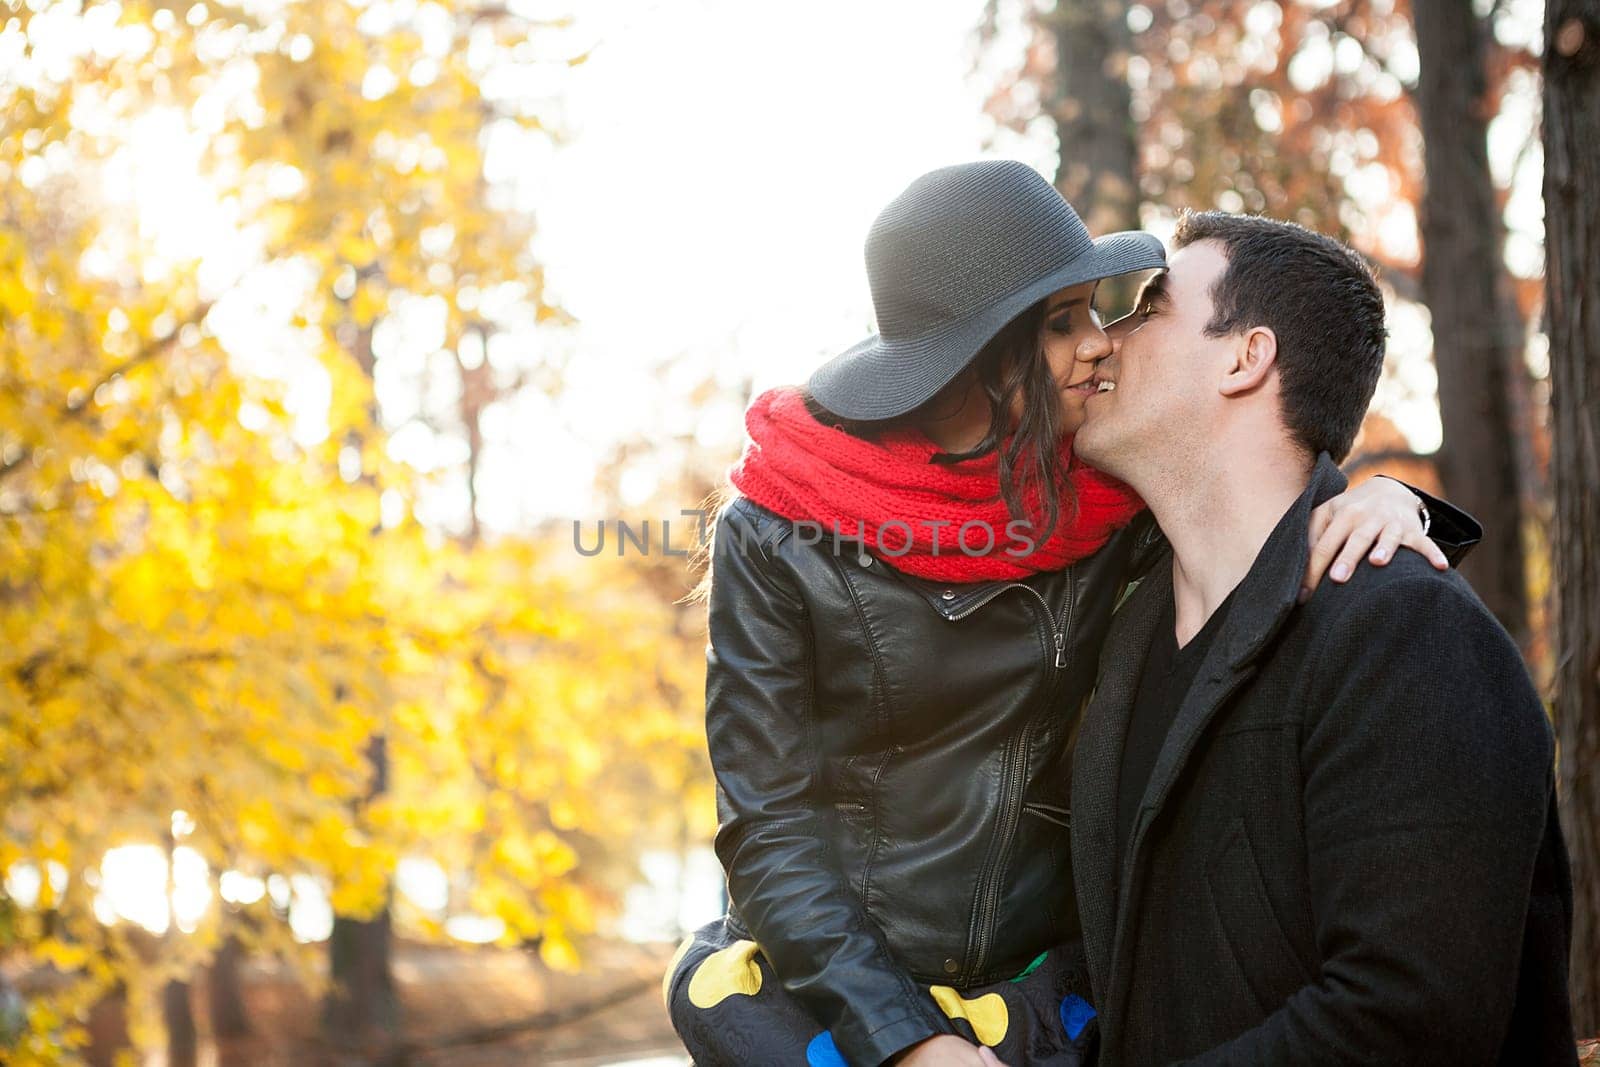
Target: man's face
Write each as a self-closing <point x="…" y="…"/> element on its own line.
<point x="1159" y="385"/>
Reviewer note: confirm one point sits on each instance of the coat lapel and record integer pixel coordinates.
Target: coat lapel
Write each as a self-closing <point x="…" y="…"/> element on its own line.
<point x="1097" y="758"/>
<point x="1262" y="604"/>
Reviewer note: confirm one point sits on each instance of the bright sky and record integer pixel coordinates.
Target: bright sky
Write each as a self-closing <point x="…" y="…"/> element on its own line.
<point x="729" y="159"/>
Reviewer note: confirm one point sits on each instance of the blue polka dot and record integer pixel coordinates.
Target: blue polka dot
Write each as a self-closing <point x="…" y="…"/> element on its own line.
<point x="822" y="1052"/>
<point x="1075" y="1014"/>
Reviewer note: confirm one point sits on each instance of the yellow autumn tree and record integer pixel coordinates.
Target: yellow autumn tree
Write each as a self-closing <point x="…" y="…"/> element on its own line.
<point x="206" y="611"/>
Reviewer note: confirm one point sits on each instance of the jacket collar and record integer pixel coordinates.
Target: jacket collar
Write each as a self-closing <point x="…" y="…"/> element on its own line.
<point x="1262" y="604"/>
<point x="955" y="599"/>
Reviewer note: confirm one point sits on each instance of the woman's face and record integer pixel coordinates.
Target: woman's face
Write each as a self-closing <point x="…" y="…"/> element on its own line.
<point x="1072" y="342"/>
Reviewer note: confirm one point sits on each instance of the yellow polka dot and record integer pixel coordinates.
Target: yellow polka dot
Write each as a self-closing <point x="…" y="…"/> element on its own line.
<point x="725" y="972"/>
<point x="677" y="958"/>
<point x="987" y="1013"/>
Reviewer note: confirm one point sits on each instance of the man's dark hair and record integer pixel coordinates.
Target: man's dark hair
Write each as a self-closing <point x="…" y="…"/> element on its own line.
<point x="1320" y="299"/>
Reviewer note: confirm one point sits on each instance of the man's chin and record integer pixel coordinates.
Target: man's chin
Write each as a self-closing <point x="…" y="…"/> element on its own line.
<point x="1095" y="445"/>
<point x="1086" y="444"/>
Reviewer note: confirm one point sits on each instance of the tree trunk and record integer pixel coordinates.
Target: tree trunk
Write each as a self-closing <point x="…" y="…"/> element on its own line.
<point x="1090" y="101"/>
<point x="224" y="995"/>
<point x="13" y="1014"/>
<point x="362" y="1011"/>
<point x="1477" y="335"/>
<point x="1572" y="304"/>
<point x="109" y="1042"/>
<point x="178" y="1012"/>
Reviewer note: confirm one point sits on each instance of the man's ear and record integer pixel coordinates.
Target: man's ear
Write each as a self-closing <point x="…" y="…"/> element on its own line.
<point x="1253" y="361"/>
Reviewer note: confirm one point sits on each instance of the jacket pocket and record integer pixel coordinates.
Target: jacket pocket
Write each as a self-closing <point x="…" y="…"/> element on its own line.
<point x="1041" y="866"/>
<point x="852" y="811"/>
<point x="857" y="833"/>
<point x="1255" y="938"/>
<point x="1049" y="812"/>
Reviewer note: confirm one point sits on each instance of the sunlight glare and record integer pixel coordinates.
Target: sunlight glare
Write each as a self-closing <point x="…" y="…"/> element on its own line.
<point x="310" y="915"/>
<point x="238" y="888"/>
<point x="475" y="929"/>
<point x="133" y="886"/>
<point x="423" y="882"/>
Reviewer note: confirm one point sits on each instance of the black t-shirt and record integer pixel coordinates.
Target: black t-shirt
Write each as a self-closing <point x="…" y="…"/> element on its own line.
<point x="1167" y="675"/>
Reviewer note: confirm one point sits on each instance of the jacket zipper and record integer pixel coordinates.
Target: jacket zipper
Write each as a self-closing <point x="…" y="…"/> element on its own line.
<point x="1011" y="791"/>
<point x="1058" y="637"/>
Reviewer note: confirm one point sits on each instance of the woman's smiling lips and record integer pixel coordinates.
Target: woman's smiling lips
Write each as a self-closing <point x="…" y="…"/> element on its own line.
<point x="1083" y="388"/>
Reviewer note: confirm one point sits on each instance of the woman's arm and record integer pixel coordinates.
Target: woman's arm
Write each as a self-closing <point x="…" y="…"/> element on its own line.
<point x="1377" y="517"/>
<point x="761" y="730"/>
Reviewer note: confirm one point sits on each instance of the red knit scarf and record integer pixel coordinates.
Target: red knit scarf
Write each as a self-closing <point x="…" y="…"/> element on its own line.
<point x="886" y="491"/>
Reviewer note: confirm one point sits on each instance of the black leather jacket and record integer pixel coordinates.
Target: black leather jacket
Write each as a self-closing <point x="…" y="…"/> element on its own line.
<point x="891" y="758"/>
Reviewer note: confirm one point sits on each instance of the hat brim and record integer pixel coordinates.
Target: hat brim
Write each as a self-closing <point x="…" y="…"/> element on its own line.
<point x="877" y="379"/>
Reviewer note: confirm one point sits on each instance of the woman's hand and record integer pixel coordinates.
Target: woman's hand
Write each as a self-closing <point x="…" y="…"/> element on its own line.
<point x="945" y="1050"/>
<point x="1373" y="519"/>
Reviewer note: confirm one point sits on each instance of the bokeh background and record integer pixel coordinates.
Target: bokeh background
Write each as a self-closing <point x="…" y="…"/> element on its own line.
<point x="331" y="333"/>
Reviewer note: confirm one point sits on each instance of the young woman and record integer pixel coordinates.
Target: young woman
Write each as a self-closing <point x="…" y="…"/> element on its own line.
<point x="910" y="582"/>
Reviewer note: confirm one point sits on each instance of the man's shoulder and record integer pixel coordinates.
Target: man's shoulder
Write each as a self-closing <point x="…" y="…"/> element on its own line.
<point x="1407" y="592"/>
<point x="1411" y="640"/>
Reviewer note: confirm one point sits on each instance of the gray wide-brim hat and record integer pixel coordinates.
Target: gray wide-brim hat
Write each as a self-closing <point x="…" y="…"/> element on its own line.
<point x="960" y="253"/>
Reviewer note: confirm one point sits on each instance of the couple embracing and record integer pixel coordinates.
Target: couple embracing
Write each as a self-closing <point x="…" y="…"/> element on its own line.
<point x="1039" y="737"/>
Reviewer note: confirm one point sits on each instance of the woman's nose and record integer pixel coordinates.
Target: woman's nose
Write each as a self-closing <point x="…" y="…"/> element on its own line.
<point x="1096" y="346"/>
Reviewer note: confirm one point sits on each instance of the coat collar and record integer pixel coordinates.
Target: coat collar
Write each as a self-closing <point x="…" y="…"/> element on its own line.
<point x="1263" y="602"/>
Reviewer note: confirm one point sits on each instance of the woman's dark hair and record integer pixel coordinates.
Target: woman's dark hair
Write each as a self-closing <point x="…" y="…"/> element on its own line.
<point x="1013" y="360"/>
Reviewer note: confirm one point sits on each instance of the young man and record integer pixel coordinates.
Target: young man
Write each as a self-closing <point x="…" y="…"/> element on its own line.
<point x="1302" y="833"/>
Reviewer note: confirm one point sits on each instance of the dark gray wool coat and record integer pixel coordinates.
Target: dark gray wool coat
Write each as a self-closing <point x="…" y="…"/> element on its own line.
<point x="1348" y="851"/>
